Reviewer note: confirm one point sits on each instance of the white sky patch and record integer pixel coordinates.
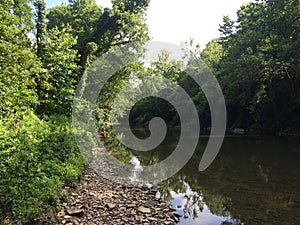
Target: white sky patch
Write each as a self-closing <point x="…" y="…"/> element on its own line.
<point x="104" y="3"/>
<point x="176" y="21"/>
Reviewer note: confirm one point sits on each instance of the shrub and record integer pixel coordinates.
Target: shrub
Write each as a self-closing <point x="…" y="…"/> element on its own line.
<point x="37" y="157"/>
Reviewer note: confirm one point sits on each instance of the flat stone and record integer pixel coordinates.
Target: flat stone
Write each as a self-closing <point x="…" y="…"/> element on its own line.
<point x="67" y="217"/>
<point x="152" y="219"/>
<point x="75" y="212"/>
<point x="143" y="209"/>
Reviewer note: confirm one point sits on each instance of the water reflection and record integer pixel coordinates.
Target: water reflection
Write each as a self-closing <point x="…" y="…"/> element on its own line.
<point x="192" y="206"/>
<point x="137" y="169"/>
<point x="254" y="180"/>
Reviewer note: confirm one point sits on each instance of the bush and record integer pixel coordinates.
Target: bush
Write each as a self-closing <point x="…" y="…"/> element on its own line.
<point x="37" y="157"/>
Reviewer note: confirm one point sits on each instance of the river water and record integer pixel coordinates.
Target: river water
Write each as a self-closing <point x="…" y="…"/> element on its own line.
<point x="253" y="180"/>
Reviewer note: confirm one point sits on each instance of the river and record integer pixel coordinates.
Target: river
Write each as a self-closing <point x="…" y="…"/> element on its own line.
<point x="253" y="180"/>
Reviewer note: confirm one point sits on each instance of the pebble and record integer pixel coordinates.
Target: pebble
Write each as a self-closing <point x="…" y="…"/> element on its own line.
<point x="143" y="209"/>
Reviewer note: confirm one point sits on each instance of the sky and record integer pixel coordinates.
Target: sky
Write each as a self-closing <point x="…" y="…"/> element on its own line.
<point x="176" y="21"/>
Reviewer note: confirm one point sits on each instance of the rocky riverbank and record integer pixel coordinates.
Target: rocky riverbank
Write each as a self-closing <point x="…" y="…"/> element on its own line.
<point x="100" y="201"/>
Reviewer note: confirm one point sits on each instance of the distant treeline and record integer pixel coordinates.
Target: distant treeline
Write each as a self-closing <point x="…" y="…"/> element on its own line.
<point x="256" y="61"/>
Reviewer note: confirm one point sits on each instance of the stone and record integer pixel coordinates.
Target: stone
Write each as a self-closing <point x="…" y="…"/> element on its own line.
<point x="67" y="217"/>
<point x="178" y="215"/>
<point x="152" y="219"/>
<point x="75" y="212"/>
<point x="168" y="223"/>
<point x="111" y="206"/>
<point x="176" y="219"/>
<point x="138" y="218"/>
<point x="131" y="205"/>
<point x="143" y="209"/>
<point x="238" y="131"/>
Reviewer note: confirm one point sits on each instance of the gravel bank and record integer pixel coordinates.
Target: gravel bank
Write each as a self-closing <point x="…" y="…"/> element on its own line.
<point x="101" y="201"/>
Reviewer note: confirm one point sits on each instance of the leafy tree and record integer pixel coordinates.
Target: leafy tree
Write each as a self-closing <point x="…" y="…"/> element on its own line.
<point x="100" y="29"/>
<point x="61" y="72"/>
<point x="19" y="66"/>
<point x="259" y="69"/>
<point x="212" y="54"/>
<point x="227" y="29"/>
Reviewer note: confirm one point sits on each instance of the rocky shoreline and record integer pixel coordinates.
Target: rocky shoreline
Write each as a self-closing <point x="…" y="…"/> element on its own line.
<point x="98" y="201"/>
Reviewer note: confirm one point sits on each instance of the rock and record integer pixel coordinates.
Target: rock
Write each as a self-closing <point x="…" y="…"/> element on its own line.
<point x="143" y="209"/>
<point x="75" y="212"/>
<point x="238" y="131"/>
<point x="138" y="218"/>
<point x="178" y="215"/>
<point x="76" y="222"/>
<point x="111" y="206"/>
<point x="67" y="217"/>
<point x="152" y="219"/>
<point x="131" y="205"/>
<point x="168" y="223"/>
<point x="122" y="208"/>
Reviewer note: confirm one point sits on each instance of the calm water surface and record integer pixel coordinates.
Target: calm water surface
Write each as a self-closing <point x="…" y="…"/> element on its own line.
<point x="254" y="180"/>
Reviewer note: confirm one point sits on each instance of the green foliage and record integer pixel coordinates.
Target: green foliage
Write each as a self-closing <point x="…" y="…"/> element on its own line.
<point x="38" y="152"/>
<point x="37" y="156"/>
<point x="256" y="60"/>
<point x="60" y="72"/>
<point x="100" y="29"/>
<point x="37" y="159"/>
<point x="212" y="54"/>
<point x="40" y="6"/>
<point x="259" y="70"/>
<point x="19" y="68"/>
<point x="82" y="16"/>
<point x="15" y="17"/>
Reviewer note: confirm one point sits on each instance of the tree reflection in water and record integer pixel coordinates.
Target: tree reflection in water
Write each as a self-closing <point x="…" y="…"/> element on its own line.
<point x="254" y="180"/>
<point x="195" y="204"/>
